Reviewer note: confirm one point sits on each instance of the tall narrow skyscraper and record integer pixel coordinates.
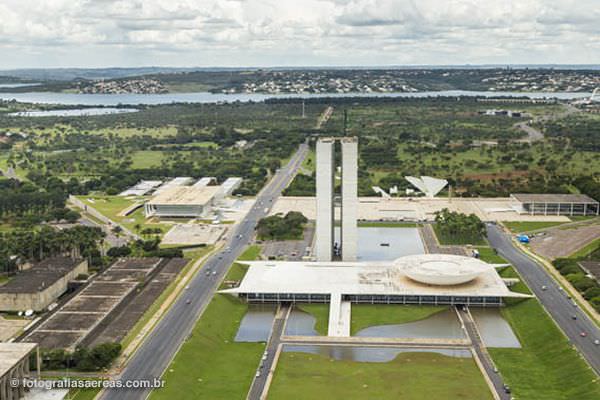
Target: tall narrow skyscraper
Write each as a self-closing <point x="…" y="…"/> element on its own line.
<point x="324" y="244"/>
<point x="325" y="207"/>
<point x="349" y="233"/>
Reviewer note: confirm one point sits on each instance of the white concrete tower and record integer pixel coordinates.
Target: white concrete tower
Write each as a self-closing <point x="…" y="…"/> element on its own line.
<point x="349" y="233"/>
<point x="325" y="185"/>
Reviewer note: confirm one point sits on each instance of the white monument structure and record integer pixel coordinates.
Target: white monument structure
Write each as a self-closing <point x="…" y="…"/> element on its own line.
<point x="324" y="246"/>
<point x="428" y="185"/>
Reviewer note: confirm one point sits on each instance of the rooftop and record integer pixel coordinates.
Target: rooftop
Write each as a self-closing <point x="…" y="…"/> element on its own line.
<point x="427" y="274"/>
<point x="185" y="195"/>
<point x="40" y="275"/>
<point x="12" y="353"/>
<point x="553" y="198"/>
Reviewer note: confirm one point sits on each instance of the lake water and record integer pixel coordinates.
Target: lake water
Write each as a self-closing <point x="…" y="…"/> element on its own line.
<point x="78" y="112"/>
<point x="17" y="85"/>
<point x="205" y="97"/>
<point x="442" y="325"/>
<point x="402" y="242"/>
<point x="369" y="354"/>
<point x="300" y="323"/>
<point x="494" y="329"/>
<point x="256" y="324"/>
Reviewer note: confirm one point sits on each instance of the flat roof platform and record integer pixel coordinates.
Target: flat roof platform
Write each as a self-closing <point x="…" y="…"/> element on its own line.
<point x="41" y="275"/>
<point x="12" y="353"/>
<point x="553" y="198"/>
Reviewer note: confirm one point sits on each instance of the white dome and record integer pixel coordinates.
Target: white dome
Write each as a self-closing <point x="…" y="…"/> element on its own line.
<point x="441" y="269"/>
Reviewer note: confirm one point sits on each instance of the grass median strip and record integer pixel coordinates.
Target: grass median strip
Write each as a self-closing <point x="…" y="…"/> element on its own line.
<point x="411" y="375"/>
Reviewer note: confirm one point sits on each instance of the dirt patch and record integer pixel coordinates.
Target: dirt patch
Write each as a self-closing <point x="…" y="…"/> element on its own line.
<point x="563" y="242"/>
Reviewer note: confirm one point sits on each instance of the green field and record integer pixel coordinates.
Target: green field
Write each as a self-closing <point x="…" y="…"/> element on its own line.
<point x="147" y="159"/>
<point x="528" y="226"/>
<point x="415" y="376"/>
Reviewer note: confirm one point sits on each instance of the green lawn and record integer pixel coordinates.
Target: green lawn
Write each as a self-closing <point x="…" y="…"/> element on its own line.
<point x="488" y="255"/>
<point x="518" y="227"/>
<point x="414" y="376"/>
<point x="210" y="365"/>
<point x="366" y="315"/>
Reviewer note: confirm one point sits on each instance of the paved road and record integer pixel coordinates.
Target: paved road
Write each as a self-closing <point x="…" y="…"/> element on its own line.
<point x="554" y="300"/>
<point x="482" y="354"/>
<point x="155" y="354"/>
<point x="260" y="381"/>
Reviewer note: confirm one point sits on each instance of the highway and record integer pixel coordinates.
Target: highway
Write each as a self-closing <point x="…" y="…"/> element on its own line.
<point x="556" y="301"/>
<point x="156" y="352"/>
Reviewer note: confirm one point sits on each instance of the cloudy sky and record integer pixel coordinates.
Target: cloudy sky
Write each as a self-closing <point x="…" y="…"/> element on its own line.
<point x="97" y="33"/>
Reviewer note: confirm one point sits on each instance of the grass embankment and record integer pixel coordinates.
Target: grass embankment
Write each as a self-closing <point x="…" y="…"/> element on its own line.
<point x="415" y="376"/>
<point x="528" y="226"/>
<point x="457" y="240"/>
<point x="366" y="315"/>
<point x="546" y="366"/>
<point x="237" y="270"/>
<point x="587" y="249"/>
<point x="488" y="255"/>
<point x="210" y="364"/>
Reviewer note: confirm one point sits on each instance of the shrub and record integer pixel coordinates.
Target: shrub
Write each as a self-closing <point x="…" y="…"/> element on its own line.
<point x="592" y="292"/>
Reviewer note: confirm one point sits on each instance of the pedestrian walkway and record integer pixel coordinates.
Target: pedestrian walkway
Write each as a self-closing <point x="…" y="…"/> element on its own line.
<point x="339" y="316"/>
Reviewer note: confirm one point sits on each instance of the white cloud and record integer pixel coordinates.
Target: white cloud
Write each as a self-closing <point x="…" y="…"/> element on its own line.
<point x="296" y="32"/>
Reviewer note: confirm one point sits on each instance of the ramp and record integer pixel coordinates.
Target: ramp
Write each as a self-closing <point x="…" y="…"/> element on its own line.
<point x="339" y="316"/>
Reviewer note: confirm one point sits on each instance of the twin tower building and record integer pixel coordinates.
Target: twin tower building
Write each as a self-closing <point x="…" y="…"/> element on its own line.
<point x="327" y="246"/>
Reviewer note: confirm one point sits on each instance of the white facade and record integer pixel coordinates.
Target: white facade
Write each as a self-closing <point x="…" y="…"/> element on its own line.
<point x="349" y="231"/>
<point x="325" y="186"/>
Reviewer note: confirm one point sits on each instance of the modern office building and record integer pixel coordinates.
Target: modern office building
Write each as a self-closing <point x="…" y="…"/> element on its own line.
<point x="554" y="204"/>
<point x="349" y="211"/>
<point x="41" y="285"/>
<point x="325" y="239"/>
<point x="15" y="367"/>
<point x="325" y="207"/>
<point x="436" y="279"/>
<point x="196" y="201"/>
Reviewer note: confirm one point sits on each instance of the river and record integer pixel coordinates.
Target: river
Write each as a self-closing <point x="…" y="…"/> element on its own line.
<point x="205" y="97"/>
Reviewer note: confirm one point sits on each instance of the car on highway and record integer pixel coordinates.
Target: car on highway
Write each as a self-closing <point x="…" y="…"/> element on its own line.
<point x="573" y="316"/>
<point x="597" y="342"/>
<point x="583" y="334"/>
<point x="214" y="272"/>
<point x="188" y="301"/>
<point x="544" y="287"/>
